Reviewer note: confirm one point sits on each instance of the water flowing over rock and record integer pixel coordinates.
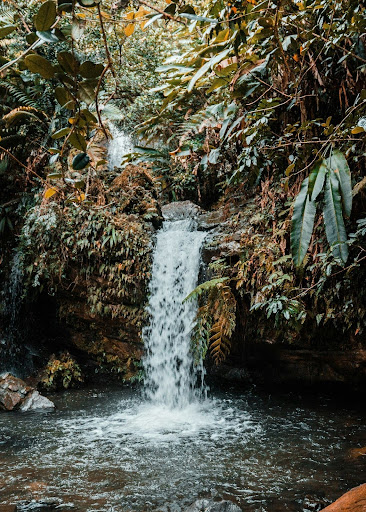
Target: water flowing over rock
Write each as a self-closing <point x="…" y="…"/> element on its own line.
<point x="15" y="394"/>
<point x="168" y="364"/>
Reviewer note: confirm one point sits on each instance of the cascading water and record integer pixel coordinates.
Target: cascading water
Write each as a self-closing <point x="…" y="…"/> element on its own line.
<point x="119" y="146"/>
<point x="170" y="377"/>
<point x="10" y="346"/>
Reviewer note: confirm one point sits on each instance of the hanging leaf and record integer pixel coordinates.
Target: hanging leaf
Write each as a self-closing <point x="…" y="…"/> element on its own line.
<point x="80" y="161"/>
<point x="129" y="29"/>
<point x="338" y="165"/>
<point x="152" y="20"/>
<point x="302" y="223"/>
<point x="78" y="140"/>
<point x="50" y="192"/>
<point x="5" y="30"/>
<point x="47" y="36"/>
<point x="316" y="179"/>
<point x="90" y="70"/>
<point x="86" y="91"/>
<point x="357" y="130"/>
<point x="65" y="6"/>
<point x="61" y="133"/>
<point x="64" y="97"/>
<point x="194" y="17"/>
<point x="45" y="17"/>
<point x="333" y="218"/>
<point x="40" y="65"/>
<point x="77" y="29"/>
<point x="68" y="63"/>
<point x="212" y="62"/>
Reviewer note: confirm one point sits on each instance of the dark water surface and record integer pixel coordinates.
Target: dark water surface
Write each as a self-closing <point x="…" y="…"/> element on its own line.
<point x="110" y="451"/>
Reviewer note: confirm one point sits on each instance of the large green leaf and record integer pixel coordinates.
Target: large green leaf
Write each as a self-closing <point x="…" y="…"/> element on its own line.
<point x="338" y="166"/>
<point x="90" y="70"/>
<point x="5" y="30"/>
<point x="64" y="97"/>
<point x="302" y="223"/>
<point x="208" y="65"/>
<point x="38" y="64"/>
<point x="45" y="16"/>
<point x="78" y="140"/>
<point x="80" y="161"/>
<point x="68" y="63"/>
<point x="316" y="179"/>
<point x="86" y="91"/>
<point x="333" y="218"/>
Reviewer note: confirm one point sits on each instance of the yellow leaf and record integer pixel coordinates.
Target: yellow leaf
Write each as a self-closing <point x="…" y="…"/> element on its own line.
<point x="130" y="15"/>
<point x="357" y="130"/>
<point x="50" y="192"/>
<point x="168" y="1"/>
<point x="72" y="120"/>
<point x="129" y="30"/>
<point x="142" y="25"/>
<point x="141" y="13"/>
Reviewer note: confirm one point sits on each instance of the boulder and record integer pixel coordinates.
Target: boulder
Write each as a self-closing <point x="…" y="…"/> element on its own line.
<point x="34" y="401"/>
<point x="16" y="395"/>
<point x="353" y="501"/>
<point x="213" y="506"/>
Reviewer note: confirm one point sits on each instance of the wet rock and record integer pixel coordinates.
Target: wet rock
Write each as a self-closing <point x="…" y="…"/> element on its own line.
<point x="35" y="401"/>
<point x="16" y="395"/>
<point x="180" y="210"/>
<point x="353" y="501"/>
<point x="356" y="453"/>
<point x="213" y="506"/>
<point x="229" y="374"/>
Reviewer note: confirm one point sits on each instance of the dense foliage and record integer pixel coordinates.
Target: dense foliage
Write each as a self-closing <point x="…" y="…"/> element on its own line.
<point x="258" y="109"/>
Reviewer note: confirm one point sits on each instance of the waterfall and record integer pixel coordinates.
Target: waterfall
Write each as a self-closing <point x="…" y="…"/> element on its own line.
<point x="12" y="355"/>
<point x="118" y="147"/>
<point x="170" y="376"/>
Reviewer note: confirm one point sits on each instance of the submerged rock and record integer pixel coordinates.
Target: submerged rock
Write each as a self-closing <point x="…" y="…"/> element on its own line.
<point x="213" y="506"/>
<point x="16" y="395"/>
<point x="353" y="501"/>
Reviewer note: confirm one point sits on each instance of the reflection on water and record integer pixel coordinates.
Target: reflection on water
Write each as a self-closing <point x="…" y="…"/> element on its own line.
<point x="109" y="450"/>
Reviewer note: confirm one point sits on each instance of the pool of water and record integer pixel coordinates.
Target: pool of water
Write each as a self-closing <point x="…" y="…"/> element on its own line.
<point x="111" y="451"/>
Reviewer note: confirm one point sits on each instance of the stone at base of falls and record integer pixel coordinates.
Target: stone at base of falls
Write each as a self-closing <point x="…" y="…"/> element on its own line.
<point x="16" y="395"/>
<point x="353" y="501"/>
<point x="213" y="506"/>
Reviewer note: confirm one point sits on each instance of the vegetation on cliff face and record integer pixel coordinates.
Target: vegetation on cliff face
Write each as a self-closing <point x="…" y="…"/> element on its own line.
<point x="256" y="108"/>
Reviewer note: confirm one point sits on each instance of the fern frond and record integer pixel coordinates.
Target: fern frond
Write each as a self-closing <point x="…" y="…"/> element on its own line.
<point x="204" y="287"/>
<point x="19" y="94"/>
<point x="224" y="312"/>
<point x="21" y="114"/>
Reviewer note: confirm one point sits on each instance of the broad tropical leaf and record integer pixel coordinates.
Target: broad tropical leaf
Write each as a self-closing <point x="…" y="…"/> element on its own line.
<point x="333" y="218"/>
<point x="209" y="64"/>
<point x="302" y="223"/>
<point x="316" y="179"/>
<point x="339" y="167"/>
